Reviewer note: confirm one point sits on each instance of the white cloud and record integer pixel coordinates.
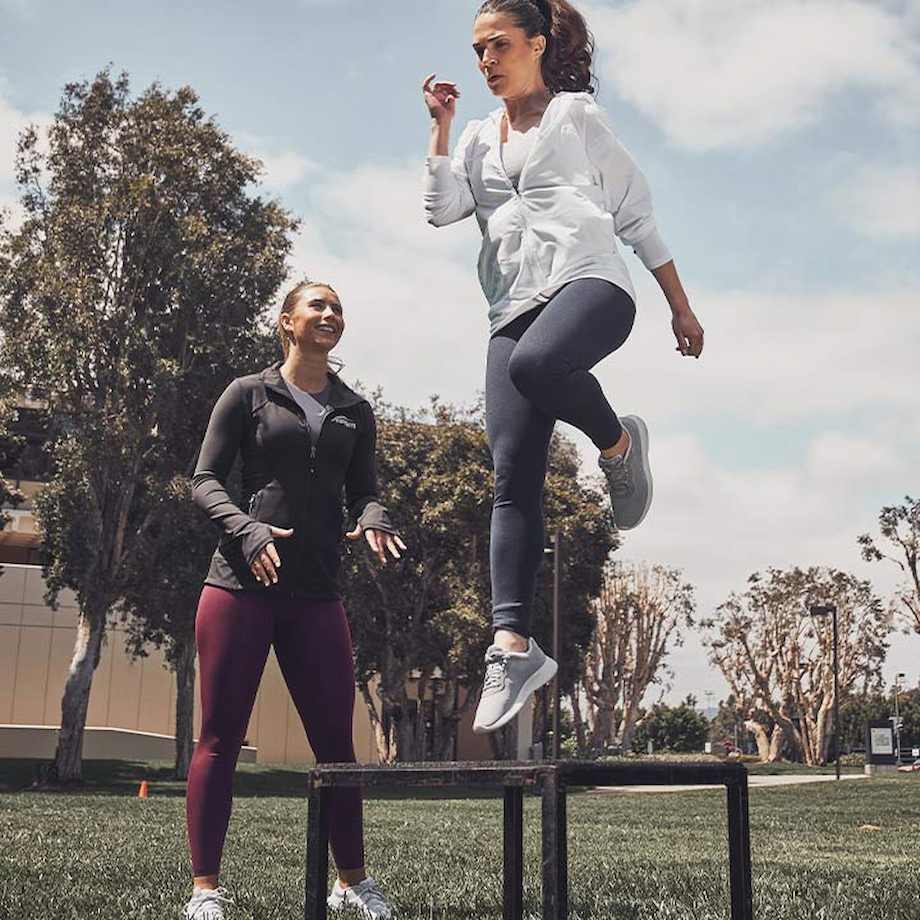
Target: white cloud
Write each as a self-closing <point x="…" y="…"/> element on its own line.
<point x="283" y="169"/>
<point x="735" y="73"/>
<point x="881" y="202"/>
<point x="772" y="356"/>
<point x="852" y="461"/>
<point x="385" y="204"/>
<point x="12" y="123"/>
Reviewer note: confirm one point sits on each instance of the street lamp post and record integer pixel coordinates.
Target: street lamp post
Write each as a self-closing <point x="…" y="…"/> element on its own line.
<point x="556" y="540"/>
<point x="897" y="719"/>
<point x="823" y="610"/>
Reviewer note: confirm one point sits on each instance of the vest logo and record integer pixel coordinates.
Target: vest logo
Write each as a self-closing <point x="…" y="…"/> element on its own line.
<point x="342" y="420"/>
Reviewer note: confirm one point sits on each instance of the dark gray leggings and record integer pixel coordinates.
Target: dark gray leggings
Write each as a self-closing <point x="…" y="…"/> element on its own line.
<point x="537" y="372"/>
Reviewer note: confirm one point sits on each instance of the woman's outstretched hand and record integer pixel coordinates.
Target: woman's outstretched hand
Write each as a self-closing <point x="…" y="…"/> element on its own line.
<point x="688" y="332"/>
<point x="379" y="541"/>
<point x="441" y="98"/>
<point x="265" y="566"/>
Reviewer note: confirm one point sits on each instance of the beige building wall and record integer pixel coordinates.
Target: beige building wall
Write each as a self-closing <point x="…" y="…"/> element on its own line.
<point x="36" y="645"/>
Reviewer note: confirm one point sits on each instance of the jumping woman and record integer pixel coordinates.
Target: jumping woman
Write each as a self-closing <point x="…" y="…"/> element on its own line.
<point x="551" y="185"/>
<point x="303" y="437"/>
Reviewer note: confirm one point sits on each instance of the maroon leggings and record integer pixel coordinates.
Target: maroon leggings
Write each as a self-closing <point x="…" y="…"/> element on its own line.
<point x="312" y="641"/>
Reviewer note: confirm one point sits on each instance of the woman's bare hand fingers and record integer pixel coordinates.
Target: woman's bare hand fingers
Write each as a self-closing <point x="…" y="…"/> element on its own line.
<point x="258" y="571"/>
<point x="269" y="566"/>
<point x="392" y="547"/>
<point x="428" y="86"/>
<point x="440" y="96"/>
<point x="375" y="541"/>
<point x="273" y="555"/>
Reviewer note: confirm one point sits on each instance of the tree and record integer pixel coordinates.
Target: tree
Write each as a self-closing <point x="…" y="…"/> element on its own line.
<point x="900" y="526"/>
<point x="726" y="727"/>
<point x="164" y="575"/>
<point x="639" y="613"/>
<point x="142" y="255"/>
<point x="778" y="659"/>
<point x="426" y="618"/>
<point x="857" y="710"/>
<point x="679" y="729"/>
<point x="10" y="447"/>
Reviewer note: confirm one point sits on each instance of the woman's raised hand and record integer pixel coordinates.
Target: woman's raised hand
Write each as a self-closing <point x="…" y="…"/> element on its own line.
<point x="379" y="541"/>
<point x="265" y="566"/>
<point x="441" y="98"/>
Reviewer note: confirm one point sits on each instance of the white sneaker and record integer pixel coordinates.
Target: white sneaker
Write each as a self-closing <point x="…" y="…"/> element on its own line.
<point x="207" y="904"/>
<point x="510" y="679"/>
<point x="366" y="896"/>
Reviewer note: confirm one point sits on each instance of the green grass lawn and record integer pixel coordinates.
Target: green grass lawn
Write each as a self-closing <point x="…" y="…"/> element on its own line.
<point x="103" y="854"/>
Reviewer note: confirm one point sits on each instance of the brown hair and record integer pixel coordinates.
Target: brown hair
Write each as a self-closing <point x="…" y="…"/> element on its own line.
<point x="290" y="301"/>
<point x="566" y="63"/>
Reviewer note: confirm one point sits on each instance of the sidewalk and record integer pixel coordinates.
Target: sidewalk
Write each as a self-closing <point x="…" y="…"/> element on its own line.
<point x="754" y="782"/>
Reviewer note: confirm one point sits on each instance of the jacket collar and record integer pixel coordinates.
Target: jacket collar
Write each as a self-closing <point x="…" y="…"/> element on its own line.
<point x="554" y="109"/>
<point x="341" y="396"/>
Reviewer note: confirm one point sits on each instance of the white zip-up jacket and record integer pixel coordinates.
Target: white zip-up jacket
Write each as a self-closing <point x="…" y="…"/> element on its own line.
<point x="578" y="188"/>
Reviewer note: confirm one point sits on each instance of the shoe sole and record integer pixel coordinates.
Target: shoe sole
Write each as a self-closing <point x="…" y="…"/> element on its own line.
<point x="339" y="907"/>
<point x="646" y="469"/>
<point x="543" y="675"/>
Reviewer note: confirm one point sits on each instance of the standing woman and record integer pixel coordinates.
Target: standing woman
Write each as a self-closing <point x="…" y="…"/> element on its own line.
<point x="303" y="437"/>
<point x="551" y="186"/>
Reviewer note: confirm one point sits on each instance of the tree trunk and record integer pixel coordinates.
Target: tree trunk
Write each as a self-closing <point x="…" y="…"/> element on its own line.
<point x="407" y="737"/>
<point x="185" y="705"/>
<point x="380" y="736"/>
<point x="759" y="731"/>
<point x="628" y="727"/>
<point x="68" y="758"/>
<point x="603" y="733"/>
<point x="824" y="731"/>
<point x="776" y="745"/>
<point x="577" y="720"/>
<point x="447" y="720"/>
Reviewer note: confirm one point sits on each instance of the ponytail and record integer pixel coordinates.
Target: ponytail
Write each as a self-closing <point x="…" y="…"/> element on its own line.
<point x="566" y="63"/>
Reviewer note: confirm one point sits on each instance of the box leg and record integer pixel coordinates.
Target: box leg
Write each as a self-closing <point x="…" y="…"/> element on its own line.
<point x="555" y="854"/>
<point x="514" y="853"/>
<point x="317" y="852"/>
<point x="739" y="852"/>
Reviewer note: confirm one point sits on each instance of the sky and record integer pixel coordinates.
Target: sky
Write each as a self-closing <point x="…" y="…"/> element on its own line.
<point x="781" y="141"/>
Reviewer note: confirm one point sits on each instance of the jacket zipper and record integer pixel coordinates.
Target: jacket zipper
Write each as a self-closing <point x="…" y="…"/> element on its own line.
<point x="313" y="446"/>
<point x="521" y="210"/>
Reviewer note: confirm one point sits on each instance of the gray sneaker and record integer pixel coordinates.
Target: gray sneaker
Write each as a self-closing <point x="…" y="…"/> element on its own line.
<point x="207" y="904"/>
<point x="510" y="679"/>
<point x="365" y="896"/>
<point x="629" y="478"/>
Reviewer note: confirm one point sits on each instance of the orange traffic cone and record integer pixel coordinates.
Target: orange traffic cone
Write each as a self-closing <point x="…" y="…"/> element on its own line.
<point x="142" y="791"/>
